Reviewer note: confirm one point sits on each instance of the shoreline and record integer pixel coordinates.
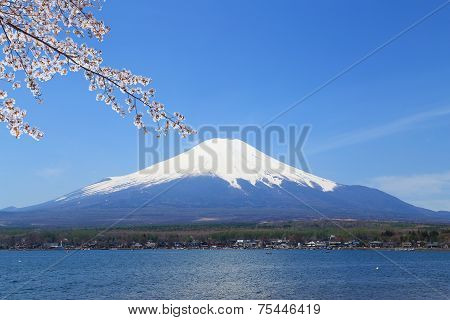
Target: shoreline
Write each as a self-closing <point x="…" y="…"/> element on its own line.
<point x="236" y="249"/>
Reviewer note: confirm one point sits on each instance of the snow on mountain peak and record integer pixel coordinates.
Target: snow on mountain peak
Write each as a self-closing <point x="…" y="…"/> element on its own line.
<point x="228" y="159"/>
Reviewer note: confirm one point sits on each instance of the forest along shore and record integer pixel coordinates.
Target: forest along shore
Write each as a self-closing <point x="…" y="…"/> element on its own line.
<point x="313" y="235"/>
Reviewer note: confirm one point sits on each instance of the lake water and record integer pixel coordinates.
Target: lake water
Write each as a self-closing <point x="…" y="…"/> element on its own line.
<point x="224" y="274"/>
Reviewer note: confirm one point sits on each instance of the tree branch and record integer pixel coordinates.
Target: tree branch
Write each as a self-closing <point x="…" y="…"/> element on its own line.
<point x="71" y="59"/>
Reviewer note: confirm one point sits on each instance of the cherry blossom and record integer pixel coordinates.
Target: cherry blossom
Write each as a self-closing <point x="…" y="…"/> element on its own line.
<point x="42" y="39"/>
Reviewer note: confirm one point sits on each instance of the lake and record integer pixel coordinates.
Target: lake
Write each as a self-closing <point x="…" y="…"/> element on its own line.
<point x="225" y="274"/>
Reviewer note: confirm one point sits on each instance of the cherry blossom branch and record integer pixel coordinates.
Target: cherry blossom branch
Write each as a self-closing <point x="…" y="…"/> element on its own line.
<point x="81" y="65"/>
<point x="30" y="29"/>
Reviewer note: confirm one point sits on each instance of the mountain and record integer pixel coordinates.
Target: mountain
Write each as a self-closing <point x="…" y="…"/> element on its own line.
<point x="12" y="208"/>
<point x="220" y="180"/>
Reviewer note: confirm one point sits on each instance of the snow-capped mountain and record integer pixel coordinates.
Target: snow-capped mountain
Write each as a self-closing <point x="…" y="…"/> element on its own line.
<point x="218" y="180"/>
<point x="226" y="159"/>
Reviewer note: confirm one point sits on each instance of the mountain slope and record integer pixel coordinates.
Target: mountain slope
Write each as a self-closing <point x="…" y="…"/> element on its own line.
<point x="229" y="160"/>
<point x="218" y="180"/>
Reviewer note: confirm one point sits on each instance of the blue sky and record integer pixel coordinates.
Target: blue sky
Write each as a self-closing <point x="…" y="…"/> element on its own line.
<point x="386" y="123"/>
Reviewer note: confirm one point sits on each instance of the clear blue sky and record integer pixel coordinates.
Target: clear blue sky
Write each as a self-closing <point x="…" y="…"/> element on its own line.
<point x="385" y="124"/>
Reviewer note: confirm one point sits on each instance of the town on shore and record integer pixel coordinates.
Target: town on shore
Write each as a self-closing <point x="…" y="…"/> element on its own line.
<point x="312" y="235"/>
<point x="330" y="244"/>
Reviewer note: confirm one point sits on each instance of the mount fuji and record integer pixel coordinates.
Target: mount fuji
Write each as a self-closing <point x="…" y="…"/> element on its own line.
<point x="219" y="180"/>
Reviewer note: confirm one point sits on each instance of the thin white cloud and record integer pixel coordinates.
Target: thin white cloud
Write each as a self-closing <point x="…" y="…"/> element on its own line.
<point x="431" y="191"/>
<point x="396" y="126"/>
<point x="50" y="172"/>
